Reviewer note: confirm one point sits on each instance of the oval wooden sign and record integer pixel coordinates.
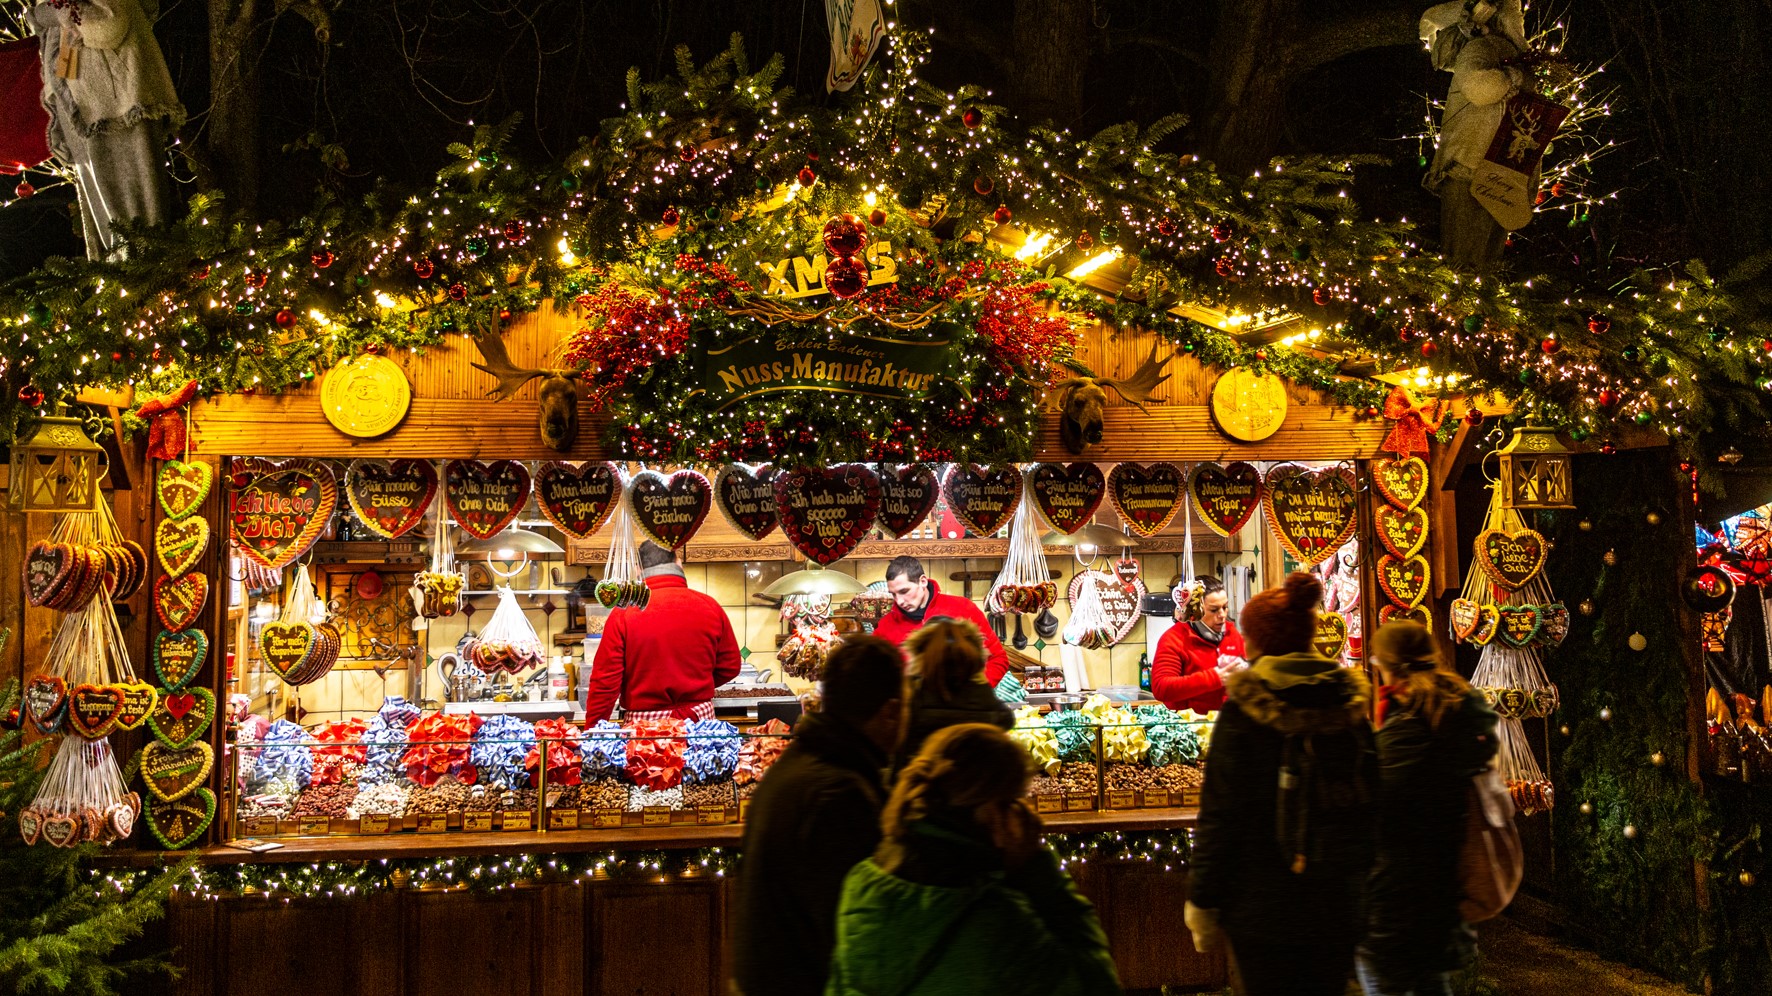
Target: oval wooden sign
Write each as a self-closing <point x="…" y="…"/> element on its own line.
<point x="1148" y="496"/>
<point x="579" y="498"/>
<point x="1311" y="512"/>
<point x="825" y="511"/>
<point x="746" y="496"/>
<point x="1068" y="494"/>
<point x="484" y="498"/>
<point x="907" y="495"/>
<point x="983" y="500"/>
<point x="391" y="496"/>
<point x="1248" y="406"/>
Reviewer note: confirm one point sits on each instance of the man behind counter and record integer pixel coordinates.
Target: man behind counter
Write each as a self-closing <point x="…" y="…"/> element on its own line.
<point x="665" y="660"/>
<point x="917" y="599"/>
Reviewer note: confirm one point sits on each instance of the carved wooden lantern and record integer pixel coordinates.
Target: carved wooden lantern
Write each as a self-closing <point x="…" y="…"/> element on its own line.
<point x="56" y="468"/>
<point x="1535" y="470"/>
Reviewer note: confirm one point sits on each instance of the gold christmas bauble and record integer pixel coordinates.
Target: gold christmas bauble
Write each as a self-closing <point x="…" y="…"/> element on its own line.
<point x="1587" y="809"/>
<point x="1630" y="832"/>
<point x="1605" y="715"/>
<point x="1747" y="878"/>
<point x="1658" y="759"/>
<point x="1638" y="641"/>
<point x="1585" y="526"/>
<point x="1609" y="558"/>
<point x="1564" y="729"/>
<point x="1653" y="518"/>
<point x="1586" y="607"/>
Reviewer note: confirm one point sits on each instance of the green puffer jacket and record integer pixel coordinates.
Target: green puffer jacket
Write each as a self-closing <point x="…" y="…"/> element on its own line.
<point x="956" y="923"/>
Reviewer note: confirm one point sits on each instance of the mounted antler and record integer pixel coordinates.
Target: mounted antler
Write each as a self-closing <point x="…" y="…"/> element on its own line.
<point x="1081" y="399"/>
<point x="558" y="396"/>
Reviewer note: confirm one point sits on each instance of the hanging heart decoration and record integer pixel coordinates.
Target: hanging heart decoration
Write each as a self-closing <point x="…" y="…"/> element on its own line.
<point x="180" y="823"/>
<point x="1120" y="603"/>
<point x="178" y="601"/>
<point x="48" y="569"/>
<point x="46" y="701"/>
<point x="173" y="773"/>
<point x="391" y="496"/>
<point x="93" y="710"/>
<point x="1464" y="616"/>
<point x="1225" y="497"/>
<point x="278" y="510"/>
<point x="1488" y="624"/>
<point x="181" y="717"/>
<point x="746" y="496"/>
<point x="1555" y="624"/>
<point x="1331" y="638"/>
<point x="907" y="495"/>
<point x="1403" y="483"/>
<point x="984" y="500"/>
<point x="132" y="566"/>
<point x="178" y="656"/>
<point x="670" y="509"/>
<point x="139" y="699"/>
<point x="61" y="830"/>
<point x="1311" y="512"/>
<point x="578" y="499"/>
<point x="1127" y="569"/>
<point x="1511" y="560"/>
<point x="286" y="647"/>
<point x="179" y="543"/>
<point x="1404" y="580"/>
<point x="1402" y="531"/>
<point x="1068" y="494"/>
<point x="1147" y="496"/>
<point x="182" y="487"/>
<point x="30" y="824"/>
<point x="483" y="498"/>
<point x="1418" y="614"/>
<point x="826" y="511"/>
<point x="1519" y="624"/>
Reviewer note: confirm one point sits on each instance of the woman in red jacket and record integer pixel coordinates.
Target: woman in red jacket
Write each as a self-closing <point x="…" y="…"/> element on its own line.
<point x="1196" y="654"/>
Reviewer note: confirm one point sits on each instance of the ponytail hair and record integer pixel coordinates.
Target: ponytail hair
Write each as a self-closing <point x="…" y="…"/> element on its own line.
<point x="960" y="769"/>
<point x="944" y="656"/>
<point x="1424" y="683"/>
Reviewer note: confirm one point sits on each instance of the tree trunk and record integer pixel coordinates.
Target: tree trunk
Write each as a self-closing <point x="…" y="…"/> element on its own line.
<point x="232" y="144"/>
<point x="1250" y="76"/>
<point x="1052" y="45"/>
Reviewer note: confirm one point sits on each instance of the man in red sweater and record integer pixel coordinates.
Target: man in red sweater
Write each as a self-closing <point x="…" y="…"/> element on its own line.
<point x="917" y="599"/>
<point x="665" y="660"/>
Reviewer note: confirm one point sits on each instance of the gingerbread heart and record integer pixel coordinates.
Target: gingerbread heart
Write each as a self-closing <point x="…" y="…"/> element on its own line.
<point x="173" y="773"/>
<point x="1464" y="616"/>
<point x="1555" y="624"/>
<point x="826" y="511"/>
<point x="46" y="702"/>
<point x="1225" y="497"/>
<point x="179" y="543"/>
<point x="1311" y="512"/>
<point x="1418" y="614"/>
<point x="1331" y="638"/>
<point x="286" y="647"/>
<point x="1511" y="560"/>
<point x="30" y="824"/>
<point x="1119" y="605"/>
<point x="579" y="498"/>
<point x="1519" y="624"/>
<point x="1488" y="624"/>
<point x="278" y="510"/>
<point x="139" y="699"/>
<point x="1401" y="531"/>
<point x="1148" y="496"/>
<point x="484" y="498"/>
<point x="670" y="509"/>
<point x="391" y="496"/>
<point x="48" y="569"/>
<point x="180" y="823"/>
<point x="179" y="656"/>
<point x="746" y="496"/>
<point x="1403" y="483"/>
<point x="61" y="829"/>
<point x="1404" y="580"/>
<point x="93" y="710"/>
<point x="182" y="487"/>
<point x="181" y="717"/>
<point x="984" y="500"/>
<point x="178" y="601"/>
<point x="907" y="495"/>
<point x="1067" y="495"/>
<point x="137" y="570"/>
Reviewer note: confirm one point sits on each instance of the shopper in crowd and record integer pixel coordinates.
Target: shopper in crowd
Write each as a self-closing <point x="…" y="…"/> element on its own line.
<point x="663" y="661"/>
<point x="962" y="895"/>
<point x="1434" y="733"/>
<point x="918" y="600"/>
<point x="1284" y="840"/>
<point x="814" y="816"/>
<point x="947" y="685"/>
<point x="1197" y="653"/>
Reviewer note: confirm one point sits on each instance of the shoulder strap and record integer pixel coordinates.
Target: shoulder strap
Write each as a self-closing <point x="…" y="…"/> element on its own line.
<point x="932" y="955"/>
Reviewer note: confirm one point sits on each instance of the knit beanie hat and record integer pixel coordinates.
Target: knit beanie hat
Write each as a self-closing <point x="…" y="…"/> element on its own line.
<point x="1283" y="620"/>
<point x="1406" y="645"/>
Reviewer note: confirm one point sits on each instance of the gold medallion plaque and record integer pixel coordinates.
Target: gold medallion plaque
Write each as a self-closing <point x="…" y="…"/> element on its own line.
<point x="1248" y="406"/>
<point x="365" y="396"/>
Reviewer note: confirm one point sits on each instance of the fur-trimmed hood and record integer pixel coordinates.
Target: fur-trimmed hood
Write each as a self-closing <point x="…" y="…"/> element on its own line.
<point x="1302" y="694"/>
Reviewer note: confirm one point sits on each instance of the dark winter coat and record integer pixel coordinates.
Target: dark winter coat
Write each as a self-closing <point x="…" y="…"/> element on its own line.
<point x="1413" y="928"/>
<point x="973" y="702"/>
<point x="1299" y="876"/>
<point x="950" y="921"/>
<point x="816" y="813"/>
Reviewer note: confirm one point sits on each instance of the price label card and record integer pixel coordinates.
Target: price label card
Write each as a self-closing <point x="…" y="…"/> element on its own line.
<point x="259" y="826"/>
<point x="656" y="816"/>
<point x="309" y="826"/>
<point x="563" y="819"/>
<point x="431" y="822"/>
<point x="476" y="821"/>
<point x="1190" y="797"/>
<point x="373" y="823"/>
<point x="606" y="819"/>
<point x="744" y="810"/>
<point x="1048" y="803"/>
<point x="710" y="815"/>
<point x="1077" y="802"/>
<point x="1122" y="800"/>
<point x="1156" y="798"/>
<point x="519" y="819"/>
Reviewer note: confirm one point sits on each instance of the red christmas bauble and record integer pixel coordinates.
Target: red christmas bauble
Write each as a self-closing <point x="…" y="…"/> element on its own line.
<point x="1224" y="267"/>
<point x="1221" y="232"/>
<point x="116" y="357"/>
<point x="1321" y="296"/>
<point x="1001" y="215"/>
<point x="424" y="268"/>
<point x="846" y="277"/>
<point x="24" y="189"/>
<point x="284" y="318"/>
<point x="256" y="279"/>
<point x="1550" y="344"/>
<point x="1261" y="354"/>
<point x="373" y="348"/>
<point x="1608" y="449"/>
<point x="972" y="117"/>
<point x="983" y="185"/>
<point x="876" y="217"/>
<point x="1607" y="397"/>
<point x="670" y="217"/>
<point x="458" y="292"/>
<point x="321" y="259"/>
<point x="1165" y="227"/>
<point x="504" y="314"/>
<point x="687" y="153"/>
<point x="845" y="236"/>
<point x="1473" y="418"/>
<point x="807" y="178"/>
<point x="1085" y="241"/>
<point x="30" y="395"/>
<point x="515" y="231"/>
<point x="201" y="273"/>
<point x="1428" y="349"/>
<point x="1371" y="411"/>
<point x="1599" y="325"/>
<point x="1405" y="334"/>
<point x="1556" y="190"/>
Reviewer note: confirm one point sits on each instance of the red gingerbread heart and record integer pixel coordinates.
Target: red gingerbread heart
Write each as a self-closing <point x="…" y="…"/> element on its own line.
<point x="670" y="509"/>
<point x="984" y="500"/>
<point x="1068" y="495"/>
<point x="578" y="499"/>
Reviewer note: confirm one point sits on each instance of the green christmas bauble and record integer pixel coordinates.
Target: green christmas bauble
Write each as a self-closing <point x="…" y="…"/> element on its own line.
<point x="243" y="308"/>
<point x="569" y="183"/>
<point x="362" y="280"/>
<point x="1642" y="418"/>
<point x="1110" y="233"/>
<point x="761" y="183"/>
<point x="1473" y="323"/>
<point x="1578" y="433"/>
<point x="477" y="246"/>
<point x="1301" y="252"/>
<point x="228" y="344"/>
<point x="1188" y="347"/>
<point x="1630" y="354"/>
<point x="711" y="213"/>
<point x="39" y="312"/>
<point x="488" y="158"/>
<point x="1526" y="376"/>
<point x="1718" y="335"/>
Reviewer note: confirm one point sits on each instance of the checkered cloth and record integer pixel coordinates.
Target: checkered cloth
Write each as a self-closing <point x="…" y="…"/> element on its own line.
<point x="697" y="712"/>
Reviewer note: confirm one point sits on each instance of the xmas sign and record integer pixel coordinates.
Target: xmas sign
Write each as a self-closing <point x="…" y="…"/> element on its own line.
<point x="803" y="276"/>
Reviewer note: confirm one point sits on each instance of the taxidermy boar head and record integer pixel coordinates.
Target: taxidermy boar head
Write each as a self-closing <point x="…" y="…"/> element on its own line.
<point x="1081" y="400"/>
<point x="558" y="398"/>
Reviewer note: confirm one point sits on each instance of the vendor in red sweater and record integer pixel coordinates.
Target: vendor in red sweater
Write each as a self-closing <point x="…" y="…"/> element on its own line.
<point x="665" y="660"/>
<point x="1199" y="651"/>
<point x="917" y="599"/>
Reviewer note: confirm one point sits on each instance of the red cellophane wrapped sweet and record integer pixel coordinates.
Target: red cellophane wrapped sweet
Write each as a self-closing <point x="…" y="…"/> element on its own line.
<point x="439" y="747"/>
<point x="761" y="749"/>
<point x="341" y="746"/>
<point x="655" y="753"/>
<point x="565" y="763"/>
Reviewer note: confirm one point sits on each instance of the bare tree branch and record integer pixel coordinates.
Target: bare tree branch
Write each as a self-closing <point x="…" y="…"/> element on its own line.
<point x="1389" y="26"/>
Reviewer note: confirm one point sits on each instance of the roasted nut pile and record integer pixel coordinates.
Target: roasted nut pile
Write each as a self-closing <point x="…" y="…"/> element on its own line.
<point x="325" y="800"/>
<point x="747" y="790"/>
<point x="1122" y="776"/>
<point x="1073" y="776"/>
<point x="447" y="796"/>
<point x="266" y="805"/>
<point x="711" y="794"/>
<point x="1176" y="777"/>
<point x="605" y="793"/>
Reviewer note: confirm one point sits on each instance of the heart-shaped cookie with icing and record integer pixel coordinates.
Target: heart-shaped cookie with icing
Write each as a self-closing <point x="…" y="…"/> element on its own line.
<point x="180" y="543"/>
<point x="180" y="823"/>
<point x="983" y="499"/>
<point x="1146" y="496"/>
<point x="1067" y="495"/>
<point x="746" y="496"/>
<point x="178" y="601"/>
<point x="1225" y="497"/>
<point x="578" y="499"/>
<point x="1403" y="483"/>
<point x="278" y="510"/>
<point x="181" y="717"/>
<point x="826" y="511"/>
<point x="669" y="510"/>
<point x="907" y="496"/>
<point x="391" y="497"/>
<point x="173" y="773"/>
<point x="1511" y="559"/>
<point x="181" y="487"/>
<point x="178" y="656"/>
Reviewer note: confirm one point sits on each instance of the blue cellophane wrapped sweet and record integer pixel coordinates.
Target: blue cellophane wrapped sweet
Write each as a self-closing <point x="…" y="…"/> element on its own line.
<point x="712" y="754"/>
<point x="498" y="750"/>
<point x="284" y="759"/>
<point x="1172" y="741"/>
<point x="605" y="749"/>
